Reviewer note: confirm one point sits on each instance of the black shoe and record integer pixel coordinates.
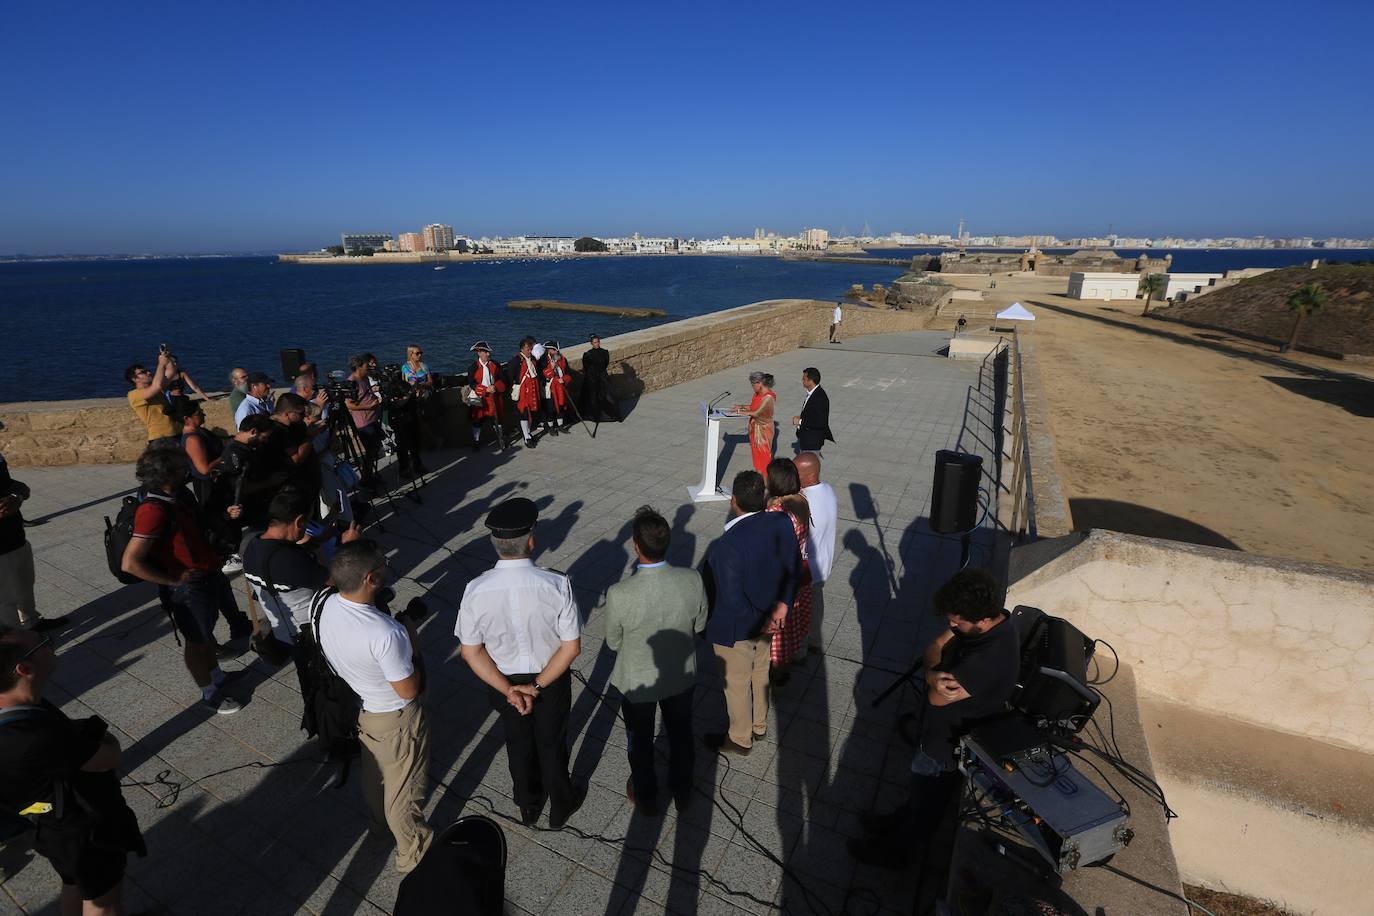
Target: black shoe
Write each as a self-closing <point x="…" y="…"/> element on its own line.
<point x="682" y="802"/>
<point x="476" y="445"/>
<point x="881" y="853"/>
<point x="50" y="623"/>
<point x="558" y="820"/>
<point x="529" y="816"/>
<point x="529" y="443"/>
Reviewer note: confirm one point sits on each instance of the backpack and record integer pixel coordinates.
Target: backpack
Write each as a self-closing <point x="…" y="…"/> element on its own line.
<point x="331" y="710"/>
<point x="12" y="823"/>
<point x="118" y="534"/>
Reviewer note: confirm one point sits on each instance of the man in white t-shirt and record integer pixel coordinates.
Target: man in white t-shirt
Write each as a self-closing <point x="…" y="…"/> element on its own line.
<point x="820" y="539"/>
<point x="835" y="320"/>
<point x="375" y="655"/>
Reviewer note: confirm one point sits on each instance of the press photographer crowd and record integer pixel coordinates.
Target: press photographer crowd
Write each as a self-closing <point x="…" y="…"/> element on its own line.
<point x="285" y="499"/>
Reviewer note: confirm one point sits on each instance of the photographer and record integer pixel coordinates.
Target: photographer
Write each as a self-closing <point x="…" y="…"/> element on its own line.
<point x="246" y="479"/>
<point x="169" y="548"/>
<point x="292" y="442"/>
<point x="376" y="656"/>
<point x="148" y="400"/>
<point x="366" y="407"/>
<point x="286" y="575"/>
<point x="970" y="672"/>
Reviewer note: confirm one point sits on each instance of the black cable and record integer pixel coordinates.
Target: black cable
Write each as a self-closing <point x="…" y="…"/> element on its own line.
<point x="1154" y="887"/>
<point x="176" y="787"/>
<point x="1125" y="805"/>
<point x="1115" y="670"/>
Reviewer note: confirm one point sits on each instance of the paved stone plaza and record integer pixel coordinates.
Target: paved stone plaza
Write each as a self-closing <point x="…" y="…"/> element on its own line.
<point x="284" y="840"/>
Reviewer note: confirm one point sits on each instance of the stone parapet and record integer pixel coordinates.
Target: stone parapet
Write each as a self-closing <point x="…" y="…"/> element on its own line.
<point x="92" y="431"/>
<point x="105" y="431"/>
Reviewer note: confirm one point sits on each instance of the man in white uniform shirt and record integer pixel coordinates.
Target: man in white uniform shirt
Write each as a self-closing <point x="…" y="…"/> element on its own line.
<point x="820" y="539"/>
<point x="375" y="655"/>
<point x="520" y="632"/>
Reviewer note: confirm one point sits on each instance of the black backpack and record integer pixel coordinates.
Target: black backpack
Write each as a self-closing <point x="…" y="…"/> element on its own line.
<point x="331" y="711"/>
<point x="120" y="532"/>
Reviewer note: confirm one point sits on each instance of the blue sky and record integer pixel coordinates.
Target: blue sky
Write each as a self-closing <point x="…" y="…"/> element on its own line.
<point x="246" y="126"/>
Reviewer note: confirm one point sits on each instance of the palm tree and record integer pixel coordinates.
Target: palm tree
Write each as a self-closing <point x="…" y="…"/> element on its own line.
<point x="1152" y="285"/>
<point x="1306" y="301"/>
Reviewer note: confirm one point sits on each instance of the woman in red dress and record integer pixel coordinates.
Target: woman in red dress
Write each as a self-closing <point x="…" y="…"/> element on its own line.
<point x="760" y="414"/>
<point x="789" y="641"/>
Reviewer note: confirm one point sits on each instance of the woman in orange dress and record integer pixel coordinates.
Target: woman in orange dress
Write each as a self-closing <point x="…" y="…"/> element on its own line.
<point x="760" y="414"/>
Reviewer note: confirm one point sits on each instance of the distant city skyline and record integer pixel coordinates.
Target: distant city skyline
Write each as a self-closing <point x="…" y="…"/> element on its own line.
<point x="226" y="129"/>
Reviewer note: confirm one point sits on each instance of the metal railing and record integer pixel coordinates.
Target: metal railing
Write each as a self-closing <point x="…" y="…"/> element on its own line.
<point x="1021" y="492"/>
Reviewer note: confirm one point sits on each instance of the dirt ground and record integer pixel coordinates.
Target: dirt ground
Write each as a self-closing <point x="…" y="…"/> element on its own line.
<point x="1167" y="431"/>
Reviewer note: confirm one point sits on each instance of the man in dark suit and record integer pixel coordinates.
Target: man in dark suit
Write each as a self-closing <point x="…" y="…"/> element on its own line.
<point x="813" y="423"/>
<point x="751" y="574"/>
<point x="595" y="398"/>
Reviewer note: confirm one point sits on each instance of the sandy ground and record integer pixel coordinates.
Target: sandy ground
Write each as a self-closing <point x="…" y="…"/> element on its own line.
<point x="1168" y="431"/>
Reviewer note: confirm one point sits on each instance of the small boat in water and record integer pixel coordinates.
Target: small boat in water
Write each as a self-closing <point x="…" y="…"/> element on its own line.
<point x="442" y="267"/>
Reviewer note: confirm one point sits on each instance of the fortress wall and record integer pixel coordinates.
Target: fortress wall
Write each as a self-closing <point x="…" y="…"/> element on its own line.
<point x="1279" y="644"/>
<point x="105" y="431"/>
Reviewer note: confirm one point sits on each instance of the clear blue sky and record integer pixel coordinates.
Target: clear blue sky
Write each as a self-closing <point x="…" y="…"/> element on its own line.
<point x="245" y="126"/>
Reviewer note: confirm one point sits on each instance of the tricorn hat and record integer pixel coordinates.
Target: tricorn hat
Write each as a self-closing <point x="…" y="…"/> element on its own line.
<point x="550" y="345"/>
<point x="480" y="345"/>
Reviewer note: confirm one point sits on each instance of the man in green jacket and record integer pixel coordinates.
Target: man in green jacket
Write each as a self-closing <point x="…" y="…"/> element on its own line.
<point x="651" y="623"/>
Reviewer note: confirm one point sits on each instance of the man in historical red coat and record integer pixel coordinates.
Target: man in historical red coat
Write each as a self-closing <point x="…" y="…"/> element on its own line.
<point x="484" y="403"/>
<point x="522" y="373"/>
<point x="557" y="397"/>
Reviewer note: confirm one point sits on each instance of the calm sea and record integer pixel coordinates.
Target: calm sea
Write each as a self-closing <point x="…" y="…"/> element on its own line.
<point x="1190" y="260"/>
<point x="74" y="326"/>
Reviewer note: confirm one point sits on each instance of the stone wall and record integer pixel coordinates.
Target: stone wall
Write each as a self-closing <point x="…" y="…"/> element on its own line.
<point x="105" y="431"/>
<point x="1280" y="644"/>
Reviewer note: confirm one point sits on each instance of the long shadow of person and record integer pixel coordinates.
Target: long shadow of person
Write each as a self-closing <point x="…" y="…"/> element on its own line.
<point x="672" y="650"/>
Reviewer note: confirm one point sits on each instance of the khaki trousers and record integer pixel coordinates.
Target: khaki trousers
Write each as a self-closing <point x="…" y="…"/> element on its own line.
<point x="744" y="666"/>
<point x="16" y="587"/>
<point x="395" y="755"/>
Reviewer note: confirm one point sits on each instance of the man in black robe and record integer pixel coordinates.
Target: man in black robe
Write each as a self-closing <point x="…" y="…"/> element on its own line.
<point x="595" y="400"/>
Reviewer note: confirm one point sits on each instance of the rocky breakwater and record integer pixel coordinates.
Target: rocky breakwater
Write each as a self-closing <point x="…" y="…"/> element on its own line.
<point x="94" y="431"/>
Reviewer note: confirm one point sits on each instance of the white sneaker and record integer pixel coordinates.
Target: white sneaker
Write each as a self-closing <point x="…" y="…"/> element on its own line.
<point x="221" y="704"/>
<point x="232" y="565"/>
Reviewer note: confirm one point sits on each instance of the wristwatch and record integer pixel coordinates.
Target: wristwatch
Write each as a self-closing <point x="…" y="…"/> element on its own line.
<point x="535" y="685"/>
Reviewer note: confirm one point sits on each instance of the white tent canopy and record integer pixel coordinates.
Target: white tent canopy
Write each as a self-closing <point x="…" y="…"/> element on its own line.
<point x="1015" y="312"/>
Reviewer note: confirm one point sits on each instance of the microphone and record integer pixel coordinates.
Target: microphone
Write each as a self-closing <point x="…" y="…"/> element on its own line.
<point x="717" y="399"/>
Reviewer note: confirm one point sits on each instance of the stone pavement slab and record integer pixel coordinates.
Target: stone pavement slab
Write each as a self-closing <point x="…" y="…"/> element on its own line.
<point x="276" y="835"/>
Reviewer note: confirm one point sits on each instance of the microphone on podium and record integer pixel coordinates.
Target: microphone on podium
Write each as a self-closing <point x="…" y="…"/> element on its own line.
<point x="717" y="399"/>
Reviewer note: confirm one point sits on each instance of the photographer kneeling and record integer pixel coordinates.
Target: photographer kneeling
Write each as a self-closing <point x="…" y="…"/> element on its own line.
<point x="970" y="672"/>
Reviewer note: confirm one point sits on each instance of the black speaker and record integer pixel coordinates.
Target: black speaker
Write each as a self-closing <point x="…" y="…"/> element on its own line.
<point x="291" y="363"/>
<point x="954" y="496"/>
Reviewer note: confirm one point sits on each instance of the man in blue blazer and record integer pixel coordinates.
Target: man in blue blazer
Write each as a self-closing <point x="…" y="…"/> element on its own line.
<point x="751" y="573"/>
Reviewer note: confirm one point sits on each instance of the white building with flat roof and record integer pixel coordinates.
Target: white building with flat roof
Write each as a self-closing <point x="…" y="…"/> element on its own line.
<point x="1186" y="283"/>
<point x="1104" y="286"/>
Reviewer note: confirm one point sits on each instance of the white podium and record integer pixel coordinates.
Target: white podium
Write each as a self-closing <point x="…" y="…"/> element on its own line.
<point x="707" y="491"/>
